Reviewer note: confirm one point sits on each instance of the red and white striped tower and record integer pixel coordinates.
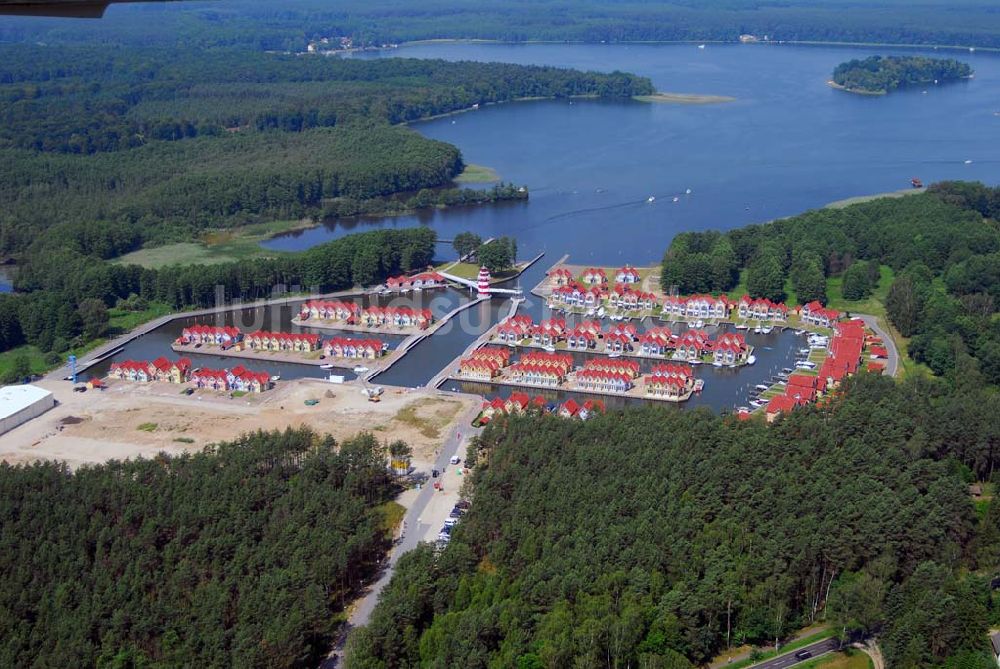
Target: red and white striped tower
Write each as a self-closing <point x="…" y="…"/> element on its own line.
<point x="484" y="282"/>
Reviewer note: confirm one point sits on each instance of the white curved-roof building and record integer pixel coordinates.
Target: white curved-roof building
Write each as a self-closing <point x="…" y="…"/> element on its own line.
<point x="19" y="404"/>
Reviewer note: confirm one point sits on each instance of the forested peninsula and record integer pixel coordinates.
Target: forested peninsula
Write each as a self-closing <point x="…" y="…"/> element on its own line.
<point x="164" y="144"/>
<point x="878" y="75"/>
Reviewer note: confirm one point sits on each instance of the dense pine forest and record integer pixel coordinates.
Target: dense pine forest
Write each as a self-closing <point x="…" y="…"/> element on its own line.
<point x="943" y="248"/>
<point x="292" y="24"/>
<point x="243" y="555"/>
<point x="165" y="143"/>
<point x="882" y="74"/>
<point x="652" y="538"/>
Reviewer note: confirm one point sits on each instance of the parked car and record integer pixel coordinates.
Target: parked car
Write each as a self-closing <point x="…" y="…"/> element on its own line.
<point x="463" y="504"/>
<point x="455" y="460"/>
<point x="450" y="522"/>
<point x="435" y="473"/>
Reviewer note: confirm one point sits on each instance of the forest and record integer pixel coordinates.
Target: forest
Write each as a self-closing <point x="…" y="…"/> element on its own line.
<point x="242" y="555"/>
<point x="50" y="309"/>
<point x="163" y="143"/>
<point x="653" y="538"/>
<point x="943" y="247"/>
<point x="292" y="24"/>
<point x="882" y="74"/>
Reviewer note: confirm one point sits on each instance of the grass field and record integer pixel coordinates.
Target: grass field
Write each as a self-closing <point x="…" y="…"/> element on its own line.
<point x="848" y="659"/>
<point x="477" y="174"/>
<point x="429" y="416"/>
<point x="215" y="246"/>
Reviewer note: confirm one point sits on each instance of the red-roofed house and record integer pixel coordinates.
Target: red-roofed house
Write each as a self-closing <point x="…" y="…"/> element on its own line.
<point x="627" y="274"/>
<point x="817" y="314"/>
<point x="594" y="276"/>
<point x="777" y="406"/>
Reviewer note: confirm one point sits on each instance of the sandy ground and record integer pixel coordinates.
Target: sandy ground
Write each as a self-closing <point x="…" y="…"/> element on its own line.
<point x="129" y="420"/>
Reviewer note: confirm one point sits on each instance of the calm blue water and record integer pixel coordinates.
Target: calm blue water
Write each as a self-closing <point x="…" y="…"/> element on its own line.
<point x="789" y="143"/>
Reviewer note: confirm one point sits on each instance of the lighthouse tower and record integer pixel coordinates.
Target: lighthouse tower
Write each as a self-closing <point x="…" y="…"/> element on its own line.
<point x="483" y="283"/>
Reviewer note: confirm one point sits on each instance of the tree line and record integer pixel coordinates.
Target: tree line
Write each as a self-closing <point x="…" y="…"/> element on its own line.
<point x="882" y="74"/>
<point x="657" y="538"/>
<point x="46" y="311"/>
<point x="292" y="25"/>
<point x="244" y="554"/>
<point x="942" y="247"/>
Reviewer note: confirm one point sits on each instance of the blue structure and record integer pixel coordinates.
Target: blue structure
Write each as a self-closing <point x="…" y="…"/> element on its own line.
<point x="72" y="366"/>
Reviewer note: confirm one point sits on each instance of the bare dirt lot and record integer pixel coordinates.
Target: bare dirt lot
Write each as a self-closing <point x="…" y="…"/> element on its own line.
<point x="129" y="419"/>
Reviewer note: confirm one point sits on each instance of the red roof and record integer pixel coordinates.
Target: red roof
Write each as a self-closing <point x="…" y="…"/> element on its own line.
<point x="780" y="403"/>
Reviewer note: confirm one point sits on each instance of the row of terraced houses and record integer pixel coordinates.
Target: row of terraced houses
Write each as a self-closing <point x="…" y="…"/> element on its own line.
<point x="181" y="371"/>
<point x="846" y="351"/>
<point x="280" y="342"/>
<point x="372" y="317"/>
<point x="624" y="338"/>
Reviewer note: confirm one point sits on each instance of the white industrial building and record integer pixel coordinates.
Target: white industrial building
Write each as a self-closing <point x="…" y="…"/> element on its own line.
<point x="19" y="404"/>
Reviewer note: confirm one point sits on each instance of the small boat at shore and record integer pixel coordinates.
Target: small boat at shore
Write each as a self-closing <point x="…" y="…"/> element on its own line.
<point x="767" y="330"/>
<point x="616" y="354"/>
<point x="717" y="363"/>
<point x="550" y="349"/>
<point x="742" y="326"/>
<point x="699" y="385"/>
<point x="751" y="359"/>
<point x="276" y="377"/>
<point x="326" y="366"/>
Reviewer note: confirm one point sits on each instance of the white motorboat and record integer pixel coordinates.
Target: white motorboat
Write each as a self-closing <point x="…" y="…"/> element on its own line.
<point x="326" y="366"/>
<point x="550" y="349"/>
<point x="676" y="199"/>
<point x="751" y="359"/>
<point x="761" y="386"/>
<point x="616" y="354"/>
<point x="688" y="191"/>
<point x="767" y="330"/>
<point x="695" y="361"/>
<point x="701" y="46"/>
<point x="717" y="363"/>
<point x="756" y="329"/>
<point x="276" y="377"/>
<point x="600" y="312"/>
<point x="699" y="385"/>
<point x="699" y="323"/>
<point x="742" y="326"/>
<point x="651" y="198"/>
<point x="590" y="312"/>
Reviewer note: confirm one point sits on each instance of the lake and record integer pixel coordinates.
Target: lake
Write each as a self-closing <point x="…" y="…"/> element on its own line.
<point x="788" y="143"/>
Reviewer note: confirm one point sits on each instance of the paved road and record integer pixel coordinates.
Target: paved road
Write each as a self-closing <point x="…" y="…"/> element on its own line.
<point x="789" y="659"/>
<point x="892" y="364"/>
<point x="417" y="529"/>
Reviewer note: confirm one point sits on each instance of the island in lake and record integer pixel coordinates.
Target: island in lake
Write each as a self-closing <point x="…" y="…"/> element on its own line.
<point x="878" y="75"/>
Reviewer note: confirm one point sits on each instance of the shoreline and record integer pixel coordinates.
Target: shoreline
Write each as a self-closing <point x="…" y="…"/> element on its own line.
<point x="735" y="42"/>
<point x="856" y="91"/>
